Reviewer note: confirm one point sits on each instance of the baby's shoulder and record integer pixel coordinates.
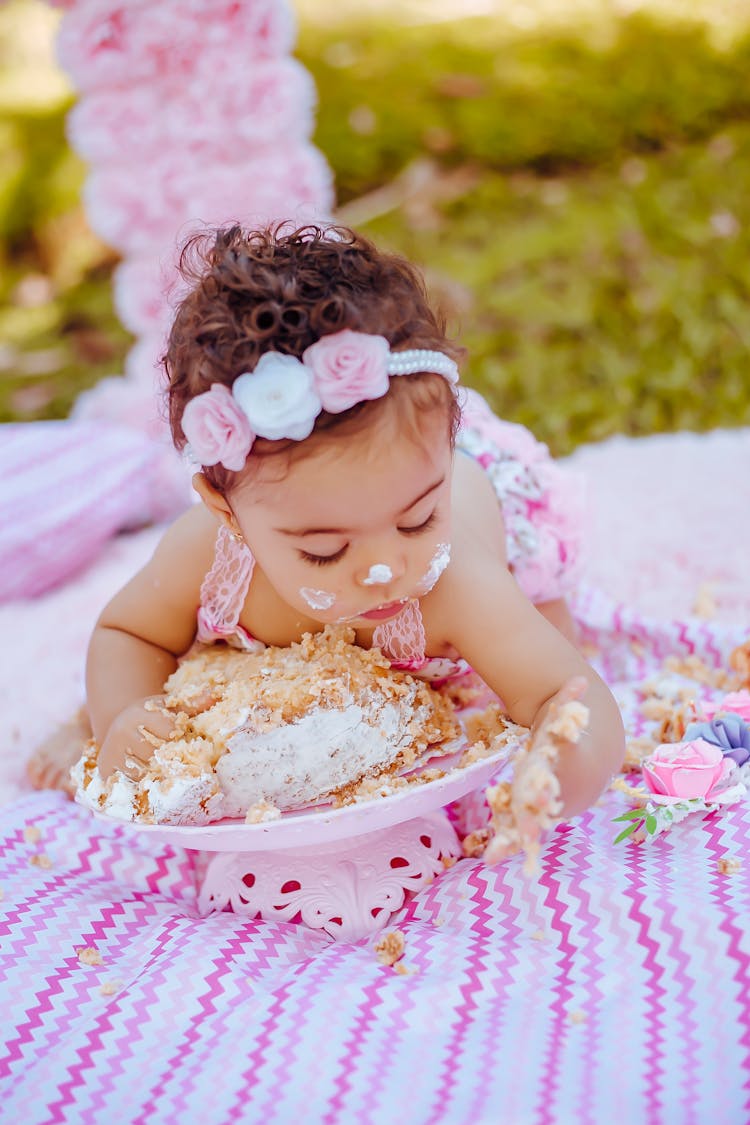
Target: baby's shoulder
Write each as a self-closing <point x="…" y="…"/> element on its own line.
<point x="188" y="545"/>
<point x="477" y="517"/>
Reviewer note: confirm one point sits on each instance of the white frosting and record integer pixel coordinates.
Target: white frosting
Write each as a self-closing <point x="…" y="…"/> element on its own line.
<point x="438" y="564"/>
<point x="317" y="599"/>
<point x="378" y="575"/>
<point x="183" y="799"/>
<point x="295" y="764"/>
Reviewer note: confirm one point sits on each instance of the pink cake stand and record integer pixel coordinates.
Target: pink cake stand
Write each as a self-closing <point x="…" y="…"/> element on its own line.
<point x="341" y="870"/>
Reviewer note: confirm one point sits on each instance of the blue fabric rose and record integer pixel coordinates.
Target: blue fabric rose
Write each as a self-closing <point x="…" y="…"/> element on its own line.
<point x="727" y="731"/>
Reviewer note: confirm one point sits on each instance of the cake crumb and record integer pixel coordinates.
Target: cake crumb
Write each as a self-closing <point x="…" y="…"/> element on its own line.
<point x="88" y="955"/>
<point x="728" y="865"/>
<point x="110" y="987"/>
<point x="484" y="725"/>
<point x="570" y="722"/>
<point x="577" y="1016"/>
<point x="474" y="844"/>
<point x="539" y="935"/>
<point x="262" y="812"/>
<point x="632" y="792"/>
<point x="704" y="604"/>
<point x="390" y="948"/>
<point x="402" y="969"/>
<point x="449" y="861"/>
<point x="636" y="749"/>
<point x="32" y="834"/>
<point x="41" y="859"/>
<point x="739" y="661"/>
<point x="439" y="921"/>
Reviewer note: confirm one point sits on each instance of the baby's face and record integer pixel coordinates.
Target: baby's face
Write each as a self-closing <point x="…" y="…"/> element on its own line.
<point x="355" y="528"/>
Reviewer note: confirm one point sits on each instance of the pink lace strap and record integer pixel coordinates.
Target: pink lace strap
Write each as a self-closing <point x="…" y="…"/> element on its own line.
<point x="224" y="588"/>
<point x="402" y="639"/>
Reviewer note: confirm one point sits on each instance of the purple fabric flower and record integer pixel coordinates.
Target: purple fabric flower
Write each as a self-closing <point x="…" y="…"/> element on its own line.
<point x="727" y="731"/>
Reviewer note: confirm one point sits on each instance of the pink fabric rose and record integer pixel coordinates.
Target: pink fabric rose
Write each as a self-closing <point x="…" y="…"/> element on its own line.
<point x="348" y="367"/>
<point x="217" y="429"/>
<point x="737" y="702"/>
<point x="685" y="769"/>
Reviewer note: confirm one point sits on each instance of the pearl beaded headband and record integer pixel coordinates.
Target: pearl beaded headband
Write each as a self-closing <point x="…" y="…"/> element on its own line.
<point x="283" y="395"/>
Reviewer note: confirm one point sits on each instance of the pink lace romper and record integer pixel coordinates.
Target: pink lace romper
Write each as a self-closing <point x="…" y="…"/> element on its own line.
<point x="542" y="506"/>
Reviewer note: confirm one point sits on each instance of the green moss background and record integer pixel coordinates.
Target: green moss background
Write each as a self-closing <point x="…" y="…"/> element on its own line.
<point x="578" y="195"/>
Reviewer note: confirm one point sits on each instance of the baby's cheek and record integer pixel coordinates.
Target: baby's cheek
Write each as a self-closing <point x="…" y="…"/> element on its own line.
<point x="435" y="566"/>
<point x="317" y="599"/>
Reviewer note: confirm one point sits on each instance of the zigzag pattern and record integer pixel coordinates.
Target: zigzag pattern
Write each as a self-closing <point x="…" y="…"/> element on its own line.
<point x="227" y="1018"/>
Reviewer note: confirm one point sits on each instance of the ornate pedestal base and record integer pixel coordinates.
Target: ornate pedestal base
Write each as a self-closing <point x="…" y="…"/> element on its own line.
<point x="348" y="888"/>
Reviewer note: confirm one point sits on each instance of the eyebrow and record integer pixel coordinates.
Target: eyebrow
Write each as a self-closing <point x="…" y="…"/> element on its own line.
<point x="302" y="532"/>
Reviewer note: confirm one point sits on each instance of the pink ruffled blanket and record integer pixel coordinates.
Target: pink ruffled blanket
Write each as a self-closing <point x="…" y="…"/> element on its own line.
<point x="613" y="986"/>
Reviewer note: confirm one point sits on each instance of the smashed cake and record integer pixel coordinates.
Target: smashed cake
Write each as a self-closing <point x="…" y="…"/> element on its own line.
<point x="256" y="734"/>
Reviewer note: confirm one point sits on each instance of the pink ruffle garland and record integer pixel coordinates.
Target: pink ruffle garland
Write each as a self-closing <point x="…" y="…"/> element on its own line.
<point x="192" y="113"/>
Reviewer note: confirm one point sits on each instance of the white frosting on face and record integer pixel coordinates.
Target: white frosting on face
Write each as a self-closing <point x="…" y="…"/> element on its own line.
<point x="438" y="563"/>
<point x="378" y="575"/>
<point x="317" y="599"/>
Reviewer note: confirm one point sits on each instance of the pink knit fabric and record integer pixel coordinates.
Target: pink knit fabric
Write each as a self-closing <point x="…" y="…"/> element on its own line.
<point x="68" y="487"/>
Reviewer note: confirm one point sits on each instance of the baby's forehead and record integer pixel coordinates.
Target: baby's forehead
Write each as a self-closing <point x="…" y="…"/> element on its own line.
<point x="347" y="479"/>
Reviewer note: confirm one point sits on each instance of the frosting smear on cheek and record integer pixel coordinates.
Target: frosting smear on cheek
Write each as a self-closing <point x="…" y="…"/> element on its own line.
<point x="438" y="563"/>
<point x="317" y="599"/>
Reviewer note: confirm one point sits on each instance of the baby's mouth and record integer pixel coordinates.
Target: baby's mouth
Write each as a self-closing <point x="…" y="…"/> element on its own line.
<point x="379" y="613"/>
<point x="383" y="612"/>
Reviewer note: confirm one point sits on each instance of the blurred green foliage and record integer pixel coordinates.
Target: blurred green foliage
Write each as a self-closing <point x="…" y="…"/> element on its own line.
<point x="578" y="203"/>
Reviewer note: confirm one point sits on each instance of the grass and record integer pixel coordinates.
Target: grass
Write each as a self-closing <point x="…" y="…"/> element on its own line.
<point x="577" y="197"/>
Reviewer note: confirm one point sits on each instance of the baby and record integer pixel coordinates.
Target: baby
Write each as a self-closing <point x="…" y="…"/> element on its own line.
<point x="344" y="477"/>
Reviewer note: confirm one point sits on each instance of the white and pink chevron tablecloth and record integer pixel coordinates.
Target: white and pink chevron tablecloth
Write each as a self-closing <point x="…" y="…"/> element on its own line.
<point x="612" y="987"/>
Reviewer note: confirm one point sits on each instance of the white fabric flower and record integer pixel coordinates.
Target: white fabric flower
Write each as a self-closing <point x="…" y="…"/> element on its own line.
<point x="278" y="397"/>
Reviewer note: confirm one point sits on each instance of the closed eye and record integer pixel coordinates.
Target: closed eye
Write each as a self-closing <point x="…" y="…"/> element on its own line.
<point x="420" y="527"/>
<point x="324" y="560"/>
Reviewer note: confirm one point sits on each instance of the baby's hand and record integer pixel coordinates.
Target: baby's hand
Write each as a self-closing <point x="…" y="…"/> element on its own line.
<point x="561" y="725"/>
<point x="127" y="738"/>
<point x="525" y="808"/>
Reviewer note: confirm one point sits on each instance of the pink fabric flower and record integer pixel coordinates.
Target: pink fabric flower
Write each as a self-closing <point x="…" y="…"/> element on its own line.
<point x="217" y="429"/>
<point x="738" y="702"/>
<point x="685" y="769"/>
<point x="348" y="368"/>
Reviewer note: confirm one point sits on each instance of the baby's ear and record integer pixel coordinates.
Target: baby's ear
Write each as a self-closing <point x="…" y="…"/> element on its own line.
<point x="214" y="500"/>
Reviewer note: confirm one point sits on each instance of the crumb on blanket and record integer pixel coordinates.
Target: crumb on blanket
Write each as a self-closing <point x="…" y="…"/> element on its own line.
<point x="41" y="859"/>
<point x="728" y="865"/>
<point x="110" y="987"/>
<point x="390" y="948"/>
<point x="89" y="955"/>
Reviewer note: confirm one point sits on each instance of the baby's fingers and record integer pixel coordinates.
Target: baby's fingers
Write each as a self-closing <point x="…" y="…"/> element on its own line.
<point x="574" y="688"/>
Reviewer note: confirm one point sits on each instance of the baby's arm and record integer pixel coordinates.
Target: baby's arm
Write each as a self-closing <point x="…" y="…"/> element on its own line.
<point x="526" y="660"/>
<point x="139" y="636"/>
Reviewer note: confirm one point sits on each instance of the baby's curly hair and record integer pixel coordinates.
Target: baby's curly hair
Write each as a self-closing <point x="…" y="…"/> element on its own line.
<point x="281" y="289"/>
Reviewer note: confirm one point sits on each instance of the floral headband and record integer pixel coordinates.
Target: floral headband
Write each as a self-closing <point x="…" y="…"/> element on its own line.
<point x="283" y="396"/>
